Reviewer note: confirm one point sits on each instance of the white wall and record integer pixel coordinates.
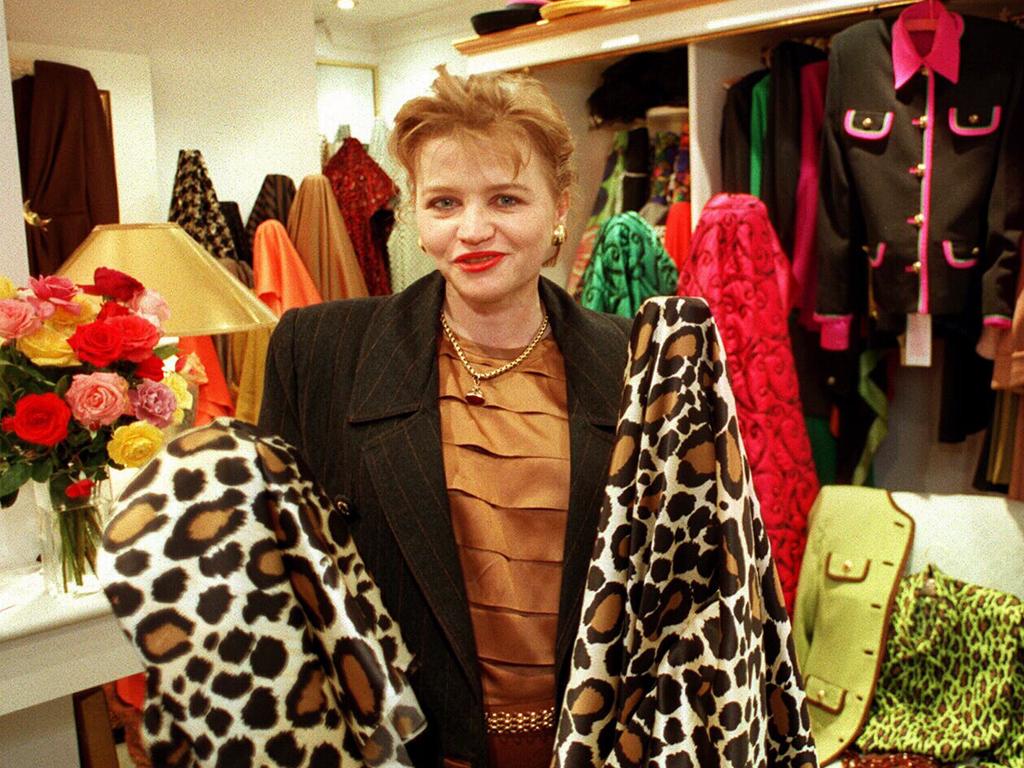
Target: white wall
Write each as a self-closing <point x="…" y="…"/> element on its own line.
<point x="234" y="79"/>
<point x="17" y="527"/>
<point x="128" y="78"/>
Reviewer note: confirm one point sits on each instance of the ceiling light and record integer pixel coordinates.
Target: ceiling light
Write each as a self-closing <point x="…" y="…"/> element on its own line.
<point x="345" y="5"/>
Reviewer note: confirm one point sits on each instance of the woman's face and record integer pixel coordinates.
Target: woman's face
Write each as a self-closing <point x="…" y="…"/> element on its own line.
<point x="487" y="228"/>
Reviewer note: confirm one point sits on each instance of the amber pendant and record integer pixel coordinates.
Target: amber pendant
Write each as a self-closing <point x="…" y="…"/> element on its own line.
<point x="475" y="396"/>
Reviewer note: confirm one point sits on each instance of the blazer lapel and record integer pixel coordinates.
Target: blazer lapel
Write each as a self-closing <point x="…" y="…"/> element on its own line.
<point x="595" y="358"/>
<point x="396" y="384"/>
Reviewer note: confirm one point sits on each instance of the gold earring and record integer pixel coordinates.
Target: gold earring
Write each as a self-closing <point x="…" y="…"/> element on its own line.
<point x="419" y="242"/>
<point x="558" y="236"/>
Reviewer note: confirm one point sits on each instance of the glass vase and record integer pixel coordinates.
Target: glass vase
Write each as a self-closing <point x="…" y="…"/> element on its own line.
<point x="69" y="536"/>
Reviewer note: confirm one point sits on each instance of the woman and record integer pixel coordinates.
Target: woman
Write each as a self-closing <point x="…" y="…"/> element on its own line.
<point x="468" y="420"/>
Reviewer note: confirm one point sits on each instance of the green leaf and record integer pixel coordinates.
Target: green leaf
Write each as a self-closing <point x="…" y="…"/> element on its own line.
<point x="165" y="351"/>
<point x="15" y="477"/>
<point x="41" y="471"/>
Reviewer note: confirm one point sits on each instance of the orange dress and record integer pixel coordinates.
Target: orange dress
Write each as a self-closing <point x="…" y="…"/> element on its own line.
<point x="507" y="471"/>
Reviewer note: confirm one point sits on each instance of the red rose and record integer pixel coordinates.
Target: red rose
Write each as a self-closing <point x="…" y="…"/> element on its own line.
<point x="151" y="368"/>
<point x="116" y="285"/>
<point x="139" y="337"/>
<point x="79" y="490"/>
<point x="40" y="419"/>
<point x="98" y="342"/>
<point x="112" y="309"/>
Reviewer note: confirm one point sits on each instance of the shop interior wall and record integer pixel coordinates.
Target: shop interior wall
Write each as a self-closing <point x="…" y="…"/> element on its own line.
<point x="234" y="79"/>
<point x="17" y="528"/>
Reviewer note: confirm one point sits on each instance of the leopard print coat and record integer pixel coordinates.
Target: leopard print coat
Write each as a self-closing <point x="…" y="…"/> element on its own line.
<point x="264" y="639"/>
<point x="684" y="655"/>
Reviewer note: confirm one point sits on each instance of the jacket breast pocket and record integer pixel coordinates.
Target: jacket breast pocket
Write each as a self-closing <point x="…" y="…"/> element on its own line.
<point x="868" y="125"/>
<point x="974" y="123"/>
<point x="839" y="567"/>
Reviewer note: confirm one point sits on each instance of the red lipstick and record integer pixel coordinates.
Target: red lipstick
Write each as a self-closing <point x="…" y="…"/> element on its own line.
<point x="478" y="261"/>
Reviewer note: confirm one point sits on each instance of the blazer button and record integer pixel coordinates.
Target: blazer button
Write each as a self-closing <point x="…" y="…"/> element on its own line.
<point x="918" y="219"/>
<point x="847" y="566"/>
<point x="915" y="268"/>
<point x="920" y="122"/>
<point x="867" y="122"/>
<point x="821" y="694"/>
<point x="975" y="251"/>
<point x="918" y="170"/>
<point x="973" y="119"/>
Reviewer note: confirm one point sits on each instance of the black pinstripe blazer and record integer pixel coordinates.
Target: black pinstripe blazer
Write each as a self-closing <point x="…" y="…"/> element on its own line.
<point x="354" y="385"/>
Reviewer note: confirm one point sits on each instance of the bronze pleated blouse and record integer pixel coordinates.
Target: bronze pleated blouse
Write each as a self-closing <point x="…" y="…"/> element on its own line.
<point x="507" y="470"/>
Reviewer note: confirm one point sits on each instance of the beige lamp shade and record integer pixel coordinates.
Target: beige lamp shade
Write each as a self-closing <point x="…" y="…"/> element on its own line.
<point x="203" y="296"/>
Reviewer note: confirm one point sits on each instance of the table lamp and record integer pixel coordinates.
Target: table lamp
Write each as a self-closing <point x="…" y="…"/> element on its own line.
<point x="203" y="296"/>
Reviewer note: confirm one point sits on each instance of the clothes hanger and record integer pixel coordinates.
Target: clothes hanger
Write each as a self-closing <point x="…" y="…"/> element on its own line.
<point x="922" y="16"/>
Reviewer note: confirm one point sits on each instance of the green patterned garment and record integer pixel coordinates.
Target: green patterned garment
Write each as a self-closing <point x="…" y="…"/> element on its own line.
<point x="629" y="265"/>
<point x="952" y="682"/>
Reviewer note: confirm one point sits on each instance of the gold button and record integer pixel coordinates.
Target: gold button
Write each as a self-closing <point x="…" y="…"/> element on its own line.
<point x="918" y="219"/>
<point x="975" y="251"/>
<point x="821" y="693"/>
<point x="847" y="565"/>
<point x="831" y="381"/>
<point x="919" y="169"/>
<point x="867" y="122"/>
<point x="924" y="70"/>
<point x="915" y="267"/>
<point x="973" y="119"/>
<point x="922" y="121"/>
<point x="865" y="248"/>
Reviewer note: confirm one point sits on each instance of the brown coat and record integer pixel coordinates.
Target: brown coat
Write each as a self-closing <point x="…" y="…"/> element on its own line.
<point x="67" y="161"/>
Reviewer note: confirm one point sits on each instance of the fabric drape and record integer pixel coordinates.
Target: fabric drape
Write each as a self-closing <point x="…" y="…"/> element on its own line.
<point x="362" y="188"/>
<point x="239" y="238"/>
<point x="607" y="203"/>
<point x="279" y="276"/>
<point x="737" y="266"/>
<point x="66" y="156"/>
<point x="684" y="655"/>
<point x="758" y="132"/>
<point x="194" y="206"/>
<point x="782" y="157"/>
<point x="318" y="232"/>
<point x="735" y="133"/>
<point x="273" y="201"/>
<point x="287" y="658"/>
<point x="629" y="265"/>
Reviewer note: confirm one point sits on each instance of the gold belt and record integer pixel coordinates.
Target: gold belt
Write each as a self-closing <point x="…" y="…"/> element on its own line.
<point x="534" y="721"/>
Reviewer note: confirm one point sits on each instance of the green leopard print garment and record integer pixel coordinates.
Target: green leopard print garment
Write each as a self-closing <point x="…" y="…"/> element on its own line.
<point x="952" y="683"/>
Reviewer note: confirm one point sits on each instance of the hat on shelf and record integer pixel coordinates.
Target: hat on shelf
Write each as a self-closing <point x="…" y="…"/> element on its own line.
<point x="556" y="9"/>
<point x="516" y="13"/>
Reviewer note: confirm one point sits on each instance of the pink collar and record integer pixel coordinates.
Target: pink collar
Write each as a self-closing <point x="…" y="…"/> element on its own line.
<point x="944" y="56"/>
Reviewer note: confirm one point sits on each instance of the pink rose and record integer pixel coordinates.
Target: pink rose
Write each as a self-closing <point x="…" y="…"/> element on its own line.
<point x="154" y="402"/>
<point x="151" y="305"/>
<point x="97" y="399"/>
<point x="18" y="318"/>
<point x="56" y="291"/>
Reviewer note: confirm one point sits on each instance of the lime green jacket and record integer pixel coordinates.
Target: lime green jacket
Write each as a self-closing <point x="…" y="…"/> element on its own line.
<point x="857" y="548"/>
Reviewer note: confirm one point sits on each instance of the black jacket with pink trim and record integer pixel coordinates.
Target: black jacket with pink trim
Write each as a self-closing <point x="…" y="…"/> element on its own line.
<point x="922" y="187"/>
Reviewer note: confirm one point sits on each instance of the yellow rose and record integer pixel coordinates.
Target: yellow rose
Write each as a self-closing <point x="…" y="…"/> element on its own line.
<point x="179" y="386"/>
<point x="7" y="289"/>
<point x="135" y="444"/>
<point x="48" y="346"/>
<point x="64" y="321"/>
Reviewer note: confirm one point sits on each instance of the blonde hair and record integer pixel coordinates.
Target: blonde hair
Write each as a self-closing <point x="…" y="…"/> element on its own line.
<point x="496" y="109"/>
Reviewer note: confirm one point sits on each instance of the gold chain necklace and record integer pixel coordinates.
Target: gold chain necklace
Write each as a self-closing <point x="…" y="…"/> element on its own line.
<point x="475" y="396"/>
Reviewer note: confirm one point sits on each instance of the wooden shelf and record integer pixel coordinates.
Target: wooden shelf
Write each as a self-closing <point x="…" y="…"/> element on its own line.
<point x="545" y="30"/>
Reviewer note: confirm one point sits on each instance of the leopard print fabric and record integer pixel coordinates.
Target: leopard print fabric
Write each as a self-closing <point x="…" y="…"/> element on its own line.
<point x="264" y="639"/>
<point x="684" y="655"/>
<point x="952" y="682"/>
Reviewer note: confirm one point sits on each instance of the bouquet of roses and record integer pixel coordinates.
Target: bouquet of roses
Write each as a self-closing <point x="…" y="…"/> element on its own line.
<point x="82" y="388"/>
